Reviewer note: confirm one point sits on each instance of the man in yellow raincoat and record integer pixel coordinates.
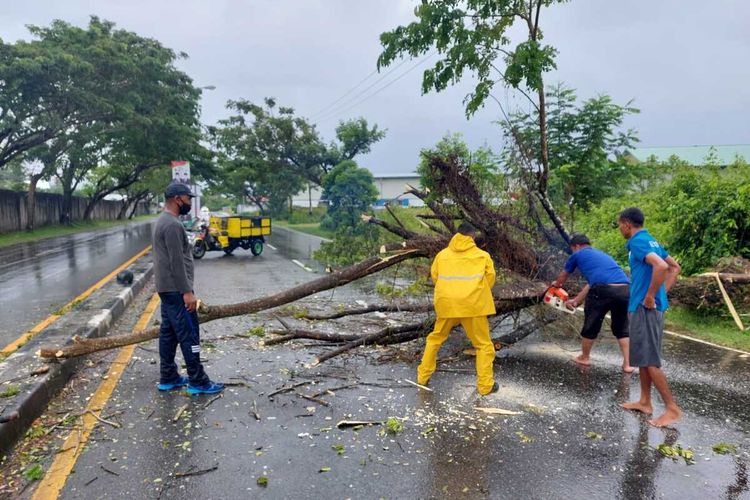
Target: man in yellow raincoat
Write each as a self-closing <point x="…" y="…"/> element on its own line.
<point x="463" y="276"/>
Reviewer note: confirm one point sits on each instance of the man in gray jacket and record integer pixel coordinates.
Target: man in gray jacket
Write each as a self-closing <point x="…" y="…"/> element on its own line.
<point x="173" y="270"/>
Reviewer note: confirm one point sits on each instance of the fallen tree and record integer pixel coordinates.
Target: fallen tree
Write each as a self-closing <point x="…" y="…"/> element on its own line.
<point x="525" y="258"/>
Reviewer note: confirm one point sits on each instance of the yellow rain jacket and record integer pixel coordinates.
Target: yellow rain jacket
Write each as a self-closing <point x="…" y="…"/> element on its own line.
<point x="463" y="276"/>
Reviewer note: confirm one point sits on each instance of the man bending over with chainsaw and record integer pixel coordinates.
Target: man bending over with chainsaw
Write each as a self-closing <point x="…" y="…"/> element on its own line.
<point x="607" y="291"/>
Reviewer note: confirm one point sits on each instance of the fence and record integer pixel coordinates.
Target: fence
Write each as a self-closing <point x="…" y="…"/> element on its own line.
<point x="47" y="208"/>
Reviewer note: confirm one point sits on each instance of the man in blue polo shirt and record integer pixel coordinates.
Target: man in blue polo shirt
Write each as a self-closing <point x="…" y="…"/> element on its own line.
<point x="653" y="272"/>
<point x="606" y="292"/>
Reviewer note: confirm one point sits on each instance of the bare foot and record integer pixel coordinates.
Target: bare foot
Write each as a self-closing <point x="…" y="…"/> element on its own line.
<point x="628" y="369"/>
<point x="668" y="418"/>
<point x="582" y="361"/>
<point x="638" y="406"/>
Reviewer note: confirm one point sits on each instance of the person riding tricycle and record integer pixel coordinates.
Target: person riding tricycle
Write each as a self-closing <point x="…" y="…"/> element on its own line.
<point x="228" y="233"/>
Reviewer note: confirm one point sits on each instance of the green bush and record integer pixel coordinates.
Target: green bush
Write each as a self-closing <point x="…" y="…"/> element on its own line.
<point x="700" y="215"/>
<point x="350" y="245"/>
<point x="600" y="223"/>
<point x="710" y="216"/>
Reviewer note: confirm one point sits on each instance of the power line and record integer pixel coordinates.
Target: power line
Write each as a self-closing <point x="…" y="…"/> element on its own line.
<point x="333" y="113"/>
<point x="345" y="93"/>
<point x="363" y="91"/>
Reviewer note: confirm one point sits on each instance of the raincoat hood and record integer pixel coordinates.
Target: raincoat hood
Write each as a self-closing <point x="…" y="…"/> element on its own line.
<point x="461" y="243"/>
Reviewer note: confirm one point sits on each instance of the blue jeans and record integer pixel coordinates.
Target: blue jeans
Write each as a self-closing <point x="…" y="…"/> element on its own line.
<point x="179" y="327"/>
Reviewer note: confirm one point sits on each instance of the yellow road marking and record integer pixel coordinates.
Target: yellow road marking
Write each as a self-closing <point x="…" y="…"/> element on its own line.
<point x="54" y="480"/>
<point x="10" y="348"/>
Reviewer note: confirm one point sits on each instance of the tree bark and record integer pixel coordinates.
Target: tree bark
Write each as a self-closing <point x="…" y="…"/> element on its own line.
<point x="371" y="339"/>
<point x="124" y="208"/>
<point x="369" y="309"/>
<point x="31" y="202"/>
<point x="90" y="205"/>
<point x="66" y="211"/>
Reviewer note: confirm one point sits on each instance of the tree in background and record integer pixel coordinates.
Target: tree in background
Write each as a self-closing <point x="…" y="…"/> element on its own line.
<point x="268" y="154"/>
<point x="95" y="102"/>
<point x="586" y="148"/>
<point x="350" y="190"/>
<point x="13" y="176"/>
<point x="709" y="211"/>
<point x="472" y="36"/>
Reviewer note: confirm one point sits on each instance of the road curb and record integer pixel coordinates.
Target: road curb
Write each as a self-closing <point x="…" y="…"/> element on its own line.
<point x="91" y="318"/>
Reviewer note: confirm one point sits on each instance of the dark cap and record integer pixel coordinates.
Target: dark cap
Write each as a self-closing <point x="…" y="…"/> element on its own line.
<point x="178" y="189"/>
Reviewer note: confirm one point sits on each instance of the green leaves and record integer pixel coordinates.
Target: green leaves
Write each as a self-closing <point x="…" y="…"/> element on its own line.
<point x="710" y="215"/>
<point x="470" y="36"/>
<point x="394" y="425"/>
<point x="677" y="451"/>
<point x="33" y="473"/>
<point x="528" y="62"/>
<point x="724" y="448"/>
<point x="350" y="190"/>
<point x="585" y="144"/>
<point x="267" y="153"/>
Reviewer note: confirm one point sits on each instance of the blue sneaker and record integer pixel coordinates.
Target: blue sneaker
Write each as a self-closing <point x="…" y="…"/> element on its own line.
<point x="208" y="388"/>
<point x="181" y="382"/>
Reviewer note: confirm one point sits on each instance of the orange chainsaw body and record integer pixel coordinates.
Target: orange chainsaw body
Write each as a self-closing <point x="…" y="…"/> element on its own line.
<point x="556" y="297"/>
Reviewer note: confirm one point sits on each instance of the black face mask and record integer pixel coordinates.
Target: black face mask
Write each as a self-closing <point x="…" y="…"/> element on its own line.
<point x="185" y="208"/>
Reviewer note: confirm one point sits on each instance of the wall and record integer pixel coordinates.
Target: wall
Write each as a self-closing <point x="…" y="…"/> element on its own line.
<point x="13" y="215"/>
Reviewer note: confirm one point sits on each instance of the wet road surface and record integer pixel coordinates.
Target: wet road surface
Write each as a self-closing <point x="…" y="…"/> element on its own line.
<point x="570" y="440"/>
<point x="295" y="245"/>
<point x="38" y="278"/>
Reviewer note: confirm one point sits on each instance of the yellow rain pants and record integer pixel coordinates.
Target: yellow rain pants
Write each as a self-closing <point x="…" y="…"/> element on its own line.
<point x="478" y="330"/>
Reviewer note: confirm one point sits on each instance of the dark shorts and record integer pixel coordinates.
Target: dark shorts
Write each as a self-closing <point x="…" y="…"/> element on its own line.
<point x="603" y="299"/>
<point x="646" y="332"/>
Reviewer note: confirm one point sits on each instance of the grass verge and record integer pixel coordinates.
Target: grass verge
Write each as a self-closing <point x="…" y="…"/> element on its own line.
<point x="719" y="330"/>
<point x="53" y="231"/>
<point x="308" y="227"/>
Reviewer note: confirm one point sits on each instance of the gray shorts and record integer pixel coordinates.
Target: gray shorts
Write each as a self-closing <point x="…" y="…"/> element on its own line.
<point x="646" y="332"/>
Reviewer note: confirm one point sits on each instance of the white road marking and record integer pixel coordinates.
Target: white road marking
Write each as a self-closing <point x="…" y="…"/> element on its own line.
<point x="271" y="246"/>
<point x="300" y="264"/>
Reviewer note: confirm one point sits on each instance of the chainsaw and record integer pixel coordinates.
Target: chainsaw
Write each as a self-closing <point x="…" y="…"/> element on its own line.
<point x="556" y="297"/>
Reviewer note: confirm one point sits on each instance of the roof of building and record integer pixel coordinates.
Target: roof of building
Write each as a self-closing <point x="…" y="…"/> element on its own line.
<point x="695" y="155"/>
<point x="412" y="175"/>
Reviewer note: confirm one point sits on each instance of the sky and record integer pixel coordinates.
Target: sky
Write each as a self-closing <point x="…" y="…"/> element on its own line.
<point x="682" y="62"/>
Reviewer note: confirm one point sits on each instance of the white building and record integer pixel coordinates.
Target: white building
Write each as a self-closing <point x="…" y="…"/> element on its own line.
<point x="390" y="189"/>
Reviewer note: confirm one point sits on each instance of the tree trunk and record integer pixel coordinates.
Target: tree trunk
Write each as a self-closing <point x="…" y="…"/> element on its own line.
<point x="90" y="205"/>
<point x="124" y="209"/>
<point x="31" y="201"/>
<point x="134" y="207"/>
<point x="66" y="212"/>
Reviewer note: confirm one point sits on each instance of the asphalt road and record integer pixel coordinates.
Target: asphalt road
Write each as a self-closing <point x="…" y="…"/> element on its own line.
<point x="38" y="278"/>
<point x="570" y="440"/>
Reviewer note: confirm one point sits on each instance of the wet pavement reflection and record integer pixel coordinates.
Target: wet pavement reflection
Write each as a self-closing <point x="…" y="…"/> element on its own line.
<point x="38" y="278"/>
